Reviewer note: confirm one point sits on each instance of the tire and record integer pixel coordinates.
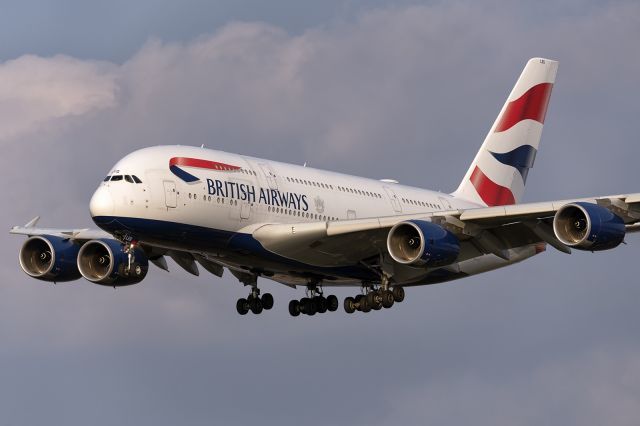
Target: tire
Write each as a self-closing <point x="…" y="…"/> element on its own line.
<point x="321" y="304"/>
<point x="364" y="305"/>
<point x="373" y="300"/>
<point x="304" y="305"/>
<point x="387" y="299"/>
<point x="349" y="305"/>
<point x="241" y="306"/>
<point x="267" y="301"/>
<point x="256" y="306"/>
<point x="398" y="294"/>
<point x="294" y="308"/>
<point x="332" y="303"/>
<point x="358" y="298"/>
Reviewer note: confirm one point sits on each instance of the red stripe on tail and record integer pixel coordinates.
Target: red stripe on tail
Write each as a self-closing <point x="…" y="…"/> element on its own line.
<point x="531" y="105"/>
<point x="491" y="193"/>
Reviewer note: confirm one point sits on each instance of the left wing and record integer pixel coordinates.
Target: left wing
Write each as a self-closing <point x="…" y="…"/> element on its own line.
<point x="489" y="229"/>
<point x="81" y="235"/>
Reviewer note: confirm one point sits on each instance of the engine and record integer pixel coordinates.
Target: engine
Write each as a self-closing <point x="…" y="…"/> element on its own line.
<point x="422" y="243"/>
<point x="50" y="258"/>
<point x="105" y="262"/>
<point x="588" y="226"/>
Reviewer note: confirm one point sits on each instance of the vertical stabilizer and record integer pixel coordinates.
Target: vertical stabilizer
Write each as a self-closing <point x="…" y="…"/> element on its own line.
<point x="498" y="173"/>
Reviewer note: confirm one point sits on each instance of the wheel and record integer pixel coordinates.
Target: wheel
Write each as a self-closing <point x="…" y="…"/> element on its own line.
<point x="387" y="299"/>
<point x="294" y="308"/>
<point x="398" y="294"/>
<point x="304" y="305"/>
<point x="310" y="306"/>
<point x="320" y="304"/>
<point x="136" y="269"/>
<point x="267" y="301"/>
<point x="374" y="300"/>
<point x="349" y="305"/>
<point x="242" y="306"/>
<point x="364" y="305"/>
<point x="332" y="303"/>
<point x="255" y="305"/>
<point x="358" y="298"/>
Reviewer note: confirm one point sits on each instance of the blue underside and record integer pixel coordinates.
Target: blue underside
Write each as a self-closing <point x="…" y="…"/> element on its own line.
<point x="241" y="249"/>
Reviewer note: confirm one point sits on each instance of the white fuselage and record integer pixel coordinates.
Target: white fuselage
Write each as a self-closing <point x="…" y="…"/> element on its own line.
<point x="231" y="193"/>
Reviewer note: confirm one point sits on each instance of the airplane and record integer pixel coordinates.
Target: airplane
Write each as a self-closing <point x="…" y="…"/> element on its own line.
<point x="310" y="228"/>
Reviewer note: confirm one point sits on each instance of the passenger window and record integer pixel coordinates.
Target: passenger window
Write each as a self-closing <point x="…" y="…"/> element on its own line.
<point x="136" y="179"/>
<point x="116" y="178"/>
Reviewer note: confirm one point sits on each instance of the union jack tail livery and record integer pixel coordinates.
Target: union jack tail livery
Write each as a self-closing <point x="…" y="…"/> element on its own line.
<point x="498" y="173"/>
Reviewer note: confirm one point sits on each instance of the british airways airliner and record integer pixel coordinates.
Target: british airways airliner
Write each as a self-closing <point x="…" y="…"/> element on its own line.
<point x="317" y="229"/>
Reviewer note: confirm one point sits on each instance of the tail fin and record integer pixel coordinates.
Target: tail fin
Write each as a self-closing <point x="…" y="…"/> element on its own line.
<point x="498" y="173"/>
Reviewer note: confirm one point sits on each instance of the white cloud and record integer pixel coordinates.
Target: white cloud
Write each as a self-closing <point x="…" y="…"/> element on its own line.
<point x="35" y="90"/>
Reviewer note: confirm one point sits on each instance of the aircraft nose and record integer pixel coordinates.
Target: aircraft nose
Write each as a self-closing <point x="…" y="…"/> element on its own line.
<point x="101" y="203"/>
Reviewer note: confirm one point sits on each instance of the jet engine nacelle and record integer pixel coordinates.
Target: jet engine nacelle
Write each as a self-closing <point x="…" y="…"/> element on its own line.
<point x="50" y="258"/>
<point x="105" y="262"/>
<point x="588" y="226"/>
<point x="422" y="243"/>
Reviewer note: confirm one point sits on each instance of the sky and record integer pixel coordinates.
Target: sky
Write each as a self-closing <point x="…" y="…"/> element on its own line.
<point x="384" y="89"/>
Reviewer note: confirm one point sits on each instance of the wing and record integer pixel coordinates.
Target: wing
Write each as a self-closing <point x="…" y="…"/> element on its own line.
<point x="81" y="235"/>
<point x="481" y="230"/>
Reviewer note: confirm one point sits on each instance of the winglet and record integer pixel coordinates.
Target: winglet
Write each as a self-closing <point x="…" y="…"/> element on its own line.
<point x="33" y="222"/>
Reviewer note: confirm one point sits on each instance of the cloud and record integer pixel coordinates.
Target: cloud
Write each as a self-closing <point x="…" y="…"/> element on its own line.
<point x="596" y="387"/>
<point x="35" y="90"/>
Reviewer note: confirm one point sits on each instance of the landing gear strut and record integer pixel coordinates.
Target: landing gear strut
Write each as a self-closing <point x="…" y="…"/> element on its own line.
<point x="254" y="302"/>
<point x="315" y="302"/>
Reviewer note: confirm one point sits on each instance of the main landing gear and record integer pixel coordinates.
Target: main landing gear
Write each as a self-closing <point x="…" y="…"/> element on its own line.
<point x="254" y="302"/>
<point x="315" y="302"/>
<point x="375" y="299"/>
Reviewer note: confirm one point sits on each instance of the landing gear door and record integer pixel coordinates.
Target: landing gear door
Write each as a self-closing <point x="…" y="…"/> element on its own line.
<point x="170" y="195"/>
<point x="395" y="201"/>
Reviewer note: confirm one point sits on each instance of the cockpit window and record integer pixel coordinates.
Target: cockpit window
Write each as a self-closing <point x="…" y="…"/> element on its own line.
<point x="116" y="178"/>
<point x="107" y="179"/>
<point x="128" y="178"/>
<point x="136" y="179"/>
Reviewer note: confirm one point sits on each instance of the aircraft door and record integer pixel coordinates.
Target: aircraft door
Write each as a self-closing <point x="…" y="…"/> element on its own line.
<point x="241" y="209"/>
<point x="269" y="174"/>
<point x="170" y="196"/>
<point x="395" y="201"/>
<point x="445" y="203"/>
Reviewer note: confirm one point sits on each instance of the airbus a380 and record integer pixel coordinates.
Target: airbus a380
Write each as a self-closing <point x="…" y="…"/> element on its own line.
<point x="315" y="229"/>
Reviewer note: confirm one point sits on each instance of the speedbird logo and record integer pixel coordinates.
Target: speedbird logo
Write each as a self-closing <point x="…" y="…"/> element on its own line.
<point x="176" y="164"/>
<point x="237" y="190"/>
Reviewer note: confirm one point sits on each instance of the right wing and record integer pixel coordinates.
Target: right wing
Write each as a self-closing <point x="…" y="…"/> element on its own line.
<point x="485" y="230"/>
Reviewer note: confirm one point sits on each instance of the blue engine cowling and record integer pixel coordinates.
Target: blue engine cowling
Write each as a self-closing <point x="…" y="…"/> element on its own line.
<point x="588" y="226"/>
<point x="50" y="258"/>
<point x="422" y="243"/>
<point x="105" y="262"/>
